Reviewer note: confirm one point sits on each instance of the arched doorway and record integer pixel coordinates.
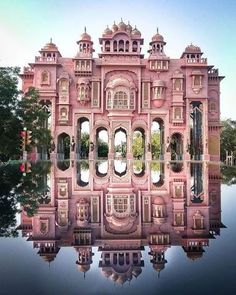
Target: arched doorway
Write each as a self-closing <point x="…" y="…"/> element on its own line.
<point x="63" y="146"/>
<point x="157" y="139"/>
<point x="138" y="146"/>
<point x="120" y="143"/>
<point x="102" y="142"/>
<point x="176" y="147"/>
<point x="83" y="135"/>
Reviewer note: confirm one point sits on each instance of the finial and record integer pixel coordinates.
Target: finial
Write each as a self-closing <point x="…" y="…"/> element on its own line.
<point x="51" y="40"/>
<point x="85" y="29"/>
<point x="157" y="31"/>
<point x="135" y="27"/>
<point x="121" y="19"/>
<point x="114" y="22"/>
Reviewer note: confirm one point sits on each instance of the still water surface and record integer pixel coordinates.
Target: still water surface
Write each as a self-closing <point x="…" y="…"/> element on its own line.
<point x="91" y="230"/>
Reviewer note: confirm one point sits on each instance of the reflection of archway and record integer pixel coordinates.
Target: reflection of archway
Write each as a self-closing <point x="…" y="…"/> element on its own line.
<point x="157" y="139"/>
<point x="82" y="173"/>
<point x="176" y="147"/>
<point x="102" y="142"/>
<point x="157" y="173"/>
<point x="83" y="130"/>
<point x="63" y="146"/>
<point x="196" y="130"/>
<point x="138" y="146"/>
<point x="120" y="143"/>
<point x="101" y="168"/>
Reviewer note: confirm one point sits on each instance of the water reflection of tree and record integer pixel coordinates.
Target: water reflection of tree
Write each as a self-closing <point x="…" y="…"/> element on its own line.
<point x="228" y="175"/>
<point x="10" y="177"/>
<point x="33" y="187"/>
<point x="26" y="190"/>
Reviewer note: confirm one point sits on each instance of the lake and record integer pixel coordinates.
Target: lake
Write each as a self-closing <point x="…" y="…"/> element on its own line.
<point x="117" y="227"/>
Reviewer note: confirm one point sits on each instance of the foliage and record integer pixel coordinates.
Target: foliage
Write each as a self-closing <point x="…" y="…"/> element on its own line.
<point x="9" y="178"/>
<point x="228" y="175"/>
<point x="10" y="124"/>
<point x="18" y="111"/>
<point x="155" y="145"/>
<point x="84" y="145"/>
<point x="138" y="146"/>
<point x="102" y="148"/>
<point x="228" y="138"/>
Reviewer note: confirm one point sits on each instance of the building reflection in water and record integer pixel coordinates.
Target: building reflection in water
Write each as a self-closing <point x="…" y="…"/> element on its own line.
<point x="121" y="207"/>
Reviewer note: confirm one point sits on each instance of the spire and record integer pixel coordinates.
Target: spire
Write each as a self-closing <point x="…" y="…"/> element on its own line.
<point x="157" y="30"/>
<point x="85" y="29"/>
<point x="50" y="40"/>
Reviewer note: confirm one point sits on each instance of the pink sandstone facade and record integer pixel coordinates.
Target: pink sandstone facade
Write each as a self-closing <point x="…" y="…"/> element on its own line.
<point x="122" y="215"/>
<point x="120" y="90"/>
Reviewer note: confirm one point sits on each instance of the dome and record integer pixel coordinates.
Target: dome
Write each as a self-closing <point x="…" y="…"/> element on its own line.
<point x="107" y="31"/>
<point x="50" y="46"/>
<point x="122" y="26"/>
<point x="129" y="28"/>
<point x="83" y="267"/>
<point x="194" y="255"/>
<point x="115" y="27"/>
<point x="157" y="37"/>
<point x="136" y="32"/>
<point x="192" y="49"/>
<point x="85" y="36"/>
<point x="158" y="201"/>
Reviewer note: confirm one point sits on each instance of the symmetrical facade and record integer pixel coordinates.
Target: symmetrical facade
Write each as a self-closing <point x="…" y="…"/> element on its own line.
<point x="121" y="91"/>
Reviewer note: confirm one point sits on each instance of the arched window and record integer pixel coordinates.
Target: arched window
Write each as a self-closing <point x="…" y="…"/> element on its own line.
<point x="135" y="46"/>
<point x="127" y="46"/>
<point x="121" y="46"/>
<point x="107" y="46"/>
<point x="115" y="46"/>
<point x="177" y="85"/>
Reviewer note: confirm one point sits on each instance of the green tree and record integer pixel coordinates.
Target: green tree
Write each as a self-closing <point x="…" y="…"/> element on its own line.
<point x="137" y="147"/>
<point x="34" y="118"/>
<point x="84" y="145"/>
<point x="18" y="111"/>
<point x="10" y="124"/>
<point x="10" y="177"/>
<point x="228" y="138"/>
<point x="102" y="148"/>
<point x="155" y="145"/>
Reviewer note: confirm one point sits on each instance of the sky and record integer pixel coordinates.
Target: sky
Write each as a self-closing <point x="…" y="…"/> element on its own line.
<point x="27" y="25"/>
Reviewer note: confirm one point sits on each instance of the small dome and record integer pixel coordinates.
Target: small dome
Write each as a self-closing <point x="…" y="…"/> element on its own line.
<point x="122" y="26"/>
<point x="136" y="32"/>
<point x="85" y="36"/>
<point x="157" y="37"/>
<point x="107" y="31"/>
<point x="115" y="27"/>
<point x="129" y="28"/>
<point x="192" y="49"/>
<point x="83" y="267"/>
<point x="50" y="46"/>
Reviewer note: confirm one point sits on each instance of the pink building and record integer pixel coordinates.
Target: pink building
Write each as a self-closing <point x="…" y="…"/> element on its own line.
<point x="121" y="92"/>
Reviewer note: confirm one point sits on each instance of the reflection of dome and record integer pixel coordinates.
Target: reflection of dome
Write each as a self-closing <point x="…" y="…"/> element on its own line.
<point x="106" y="273"/>
<point x="157" y="37"/>
<point x="192" y="49"/>
<point x="136" y="272"/>
<point x="194" y="255"/>
<point x="83" y="267"/>
<point x="48" y="257"/>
